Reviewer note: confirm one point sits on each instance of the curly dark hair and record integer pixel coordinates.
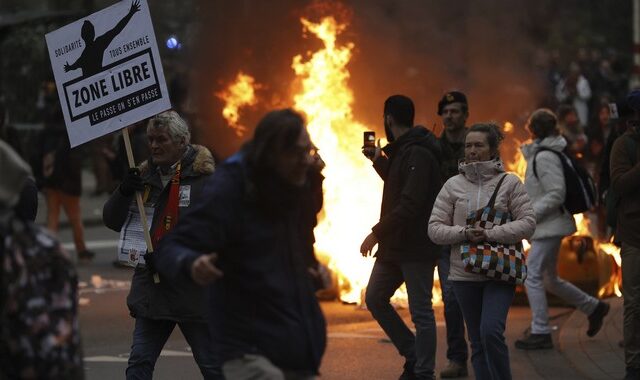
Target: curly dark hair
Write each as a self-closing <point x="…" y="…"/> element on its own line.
<point x="493" y="132"/>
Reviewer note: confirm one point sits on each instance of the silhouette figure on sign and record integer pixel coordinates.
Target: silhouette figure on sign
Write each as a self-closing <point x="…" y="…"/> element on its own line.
<point x="90" y="61"/>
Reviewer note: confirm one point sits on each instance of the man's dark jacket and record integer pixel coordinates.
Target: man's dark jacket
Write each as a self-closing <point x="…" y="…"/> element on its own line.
<point x="171" y="299"/>
<point x="411" y="176"/>
<point x="265" y="302"/>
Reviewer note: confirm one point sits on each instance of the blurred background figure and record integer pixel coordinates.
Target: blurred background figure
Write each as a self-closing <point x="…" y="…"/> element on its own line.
<point x="40" y="337"/>
<point x="575" y="90"/>
<point x="60" y="172"/>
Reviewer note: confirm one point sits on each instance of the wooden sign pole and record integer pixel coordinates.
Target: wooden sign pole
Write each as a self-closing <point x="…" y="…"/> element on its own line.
<point x="141" y="210"/>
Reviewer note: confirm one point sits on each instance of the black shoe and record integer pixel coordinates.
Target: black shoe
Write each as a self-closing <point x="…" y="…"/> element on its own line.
<point x="535" y="342"/>
<point x="86" y="255"/>
<point x="408" y="373"/>
<point x="596" y="318"/>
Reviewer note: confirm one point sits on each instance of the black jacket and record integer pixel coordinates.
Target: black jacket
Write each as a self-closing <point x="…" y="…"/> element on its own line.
<point x="265" y="302"/>
<point x="412" y="180"/>
<point x="170" y="299"/>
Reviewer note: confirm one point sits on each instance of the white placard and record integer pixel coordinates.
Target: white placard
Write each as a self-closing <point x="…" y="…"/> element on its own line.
<point x="108" y="71"/>
<point x="132" y="245"/>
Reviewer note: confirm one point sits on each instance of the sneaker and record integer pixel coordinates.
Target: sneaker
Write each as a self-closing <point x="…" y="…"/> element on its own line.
<point x="453" y="370"/>
<point x="535" y="342"/>
<point x="86" y="255"/>
<point x="596" y="318"/>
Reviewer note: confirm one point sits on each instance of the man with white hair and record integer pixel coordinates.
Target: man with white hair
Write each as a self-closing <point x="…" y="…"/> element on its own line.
<point x="171" y="182"/>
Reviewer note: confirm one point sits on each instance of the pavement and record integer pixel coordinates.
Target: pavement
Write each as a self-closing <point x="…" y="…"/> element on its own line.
<point x="357" y="347"/>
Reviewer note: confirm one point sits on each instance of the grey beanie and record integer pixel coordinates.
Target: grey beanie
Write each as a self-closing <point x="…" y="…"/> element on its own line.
<point x="13" y="173"/>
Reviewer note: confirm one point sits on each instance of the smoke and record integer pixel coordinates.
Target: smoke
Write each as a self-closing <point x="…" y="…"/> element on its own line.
<point x="417" y="48"/>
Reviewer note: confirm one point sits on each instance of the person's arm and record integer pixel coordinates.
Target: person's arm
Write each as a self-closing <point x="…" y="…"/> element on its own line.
<point x="551" y="179"/>
<point x="106" y="38"/>
<point x="116" y="209"/>
<point x="413" y="198"/>
<point x="204" y="229"/>
<point x="441" y="227"/>
<point x="625" y="177"/>
<point x="381" y="165"/>
<point x="523" y="224"/>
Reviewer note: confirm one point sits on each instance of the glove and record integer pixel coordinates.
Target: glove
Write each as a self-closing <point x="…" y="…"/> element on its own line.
<point x="131" y="183"/>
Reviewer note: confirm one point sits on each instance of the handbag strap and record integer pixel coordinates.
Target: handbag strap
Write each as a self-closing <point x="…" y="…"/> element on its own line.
<point x="492" y="201"/>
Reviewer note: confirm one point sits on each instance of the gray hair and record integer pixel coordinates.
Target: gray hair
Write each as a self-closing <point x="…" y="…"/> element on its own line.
<point x="174" y="125"/>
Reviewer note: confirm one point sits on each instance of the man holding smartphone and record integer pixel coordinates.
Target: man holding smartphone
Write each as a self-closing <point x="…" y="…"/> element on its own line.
<point x="454" y="111"/>
<point x="411" y="175"/>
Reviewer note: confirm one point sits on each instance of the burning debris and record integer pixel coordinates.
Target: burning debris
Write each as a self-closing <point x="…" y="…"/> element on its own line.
<point x="241" y="93"/>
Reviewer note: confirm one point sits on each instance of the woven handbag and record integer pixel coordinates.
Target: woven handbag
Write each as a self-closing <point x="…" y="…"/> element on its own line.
<point x="496" y="260"/>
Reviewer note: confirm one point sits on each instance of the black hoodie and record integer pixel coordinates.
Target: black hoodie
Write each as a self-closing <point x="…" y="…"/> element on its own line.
<point x="412" y="181"/>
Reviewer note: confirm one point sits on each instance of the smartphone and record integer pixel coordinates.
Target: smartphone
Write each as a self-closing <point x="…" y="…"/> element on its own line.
<point x="369" y="139"/>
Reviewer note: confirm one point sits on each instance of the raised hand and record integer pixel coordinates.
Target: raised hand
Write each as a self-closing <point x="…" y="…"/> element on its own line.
<point x="135" y="7"/>
<point x="67" y="68"/>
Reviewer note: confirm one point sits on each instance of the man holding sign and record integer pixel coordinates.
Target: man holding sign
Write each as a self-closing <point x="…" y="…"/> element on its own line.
<point x="172" y="182"/>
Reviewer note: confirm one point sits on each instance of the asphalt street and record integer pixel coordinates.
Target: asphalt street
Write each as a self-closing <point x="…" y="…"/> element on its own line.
<point x="357" y="347"/>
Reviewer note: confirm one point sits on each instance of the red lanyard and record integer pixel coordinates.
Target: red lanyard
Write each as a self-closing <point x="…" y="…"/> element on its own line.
<point x="169" y="216"/>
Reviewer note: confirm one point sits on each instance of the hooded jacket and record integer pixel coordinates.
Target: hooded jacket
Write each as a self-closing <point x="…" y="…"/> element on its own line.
<point x="411" y="176"/>
<point x="170" y="299"/>
<point x="469" y="191"/>
<point x="547" y="191"/>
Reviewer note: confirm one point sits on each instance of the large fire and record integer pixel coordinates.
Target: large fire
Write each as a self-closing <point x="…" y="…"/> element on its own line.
<point x="352" y="189"/>
<point x="240" y="93"/>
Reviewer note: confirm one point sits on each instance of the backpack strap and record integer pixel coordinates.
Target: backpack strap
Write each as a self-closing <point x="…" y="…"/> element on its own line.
<point x="492" y="201"/>
<point x="542" y="149"/>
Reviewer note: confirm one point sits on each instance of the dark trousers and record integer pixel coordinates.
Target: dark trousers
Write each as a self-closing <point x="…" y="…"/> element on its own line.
<point x="385" y="278"/>
<point x="457" y="350"/>
<point x="631" y="292"/>
<point x="485" y="305"/>
<point x="150" y="335"/>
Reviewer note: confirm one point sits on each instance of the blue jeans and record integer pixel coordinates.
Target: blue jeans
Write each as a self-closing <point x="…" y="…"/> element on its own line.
<point x="385" y="278"/>
<point x="457" y="350"/>
<point x="150" y="335"/>
<point x="485" y="305"/>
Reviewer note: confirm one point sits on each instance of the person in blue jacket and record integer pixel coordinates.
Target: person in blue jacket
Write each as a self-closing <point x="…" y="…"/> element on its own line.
<point x="249" y="239"/>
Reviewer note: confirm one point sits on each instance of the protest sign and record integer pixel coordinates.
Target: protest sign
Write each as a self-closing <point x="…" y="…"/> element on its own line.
<point x="108" y="71"/>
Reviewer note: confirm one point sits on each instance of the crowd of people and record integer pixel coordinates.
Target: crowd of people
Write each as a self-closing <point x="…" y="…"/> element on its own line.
<point x="230" y="256"/>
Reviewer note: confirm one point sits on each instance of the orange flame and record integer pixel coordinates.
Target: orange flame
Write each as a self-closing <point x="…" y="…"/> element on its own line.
<point x="352" y="190"/>
<point x="240" y="93"/>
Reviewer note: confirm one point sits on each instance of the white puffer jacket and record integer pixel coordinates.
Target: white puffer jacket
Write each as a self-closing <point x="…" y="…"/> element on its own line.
<point x="469" y="191"/>
<point x="548" y="190"/>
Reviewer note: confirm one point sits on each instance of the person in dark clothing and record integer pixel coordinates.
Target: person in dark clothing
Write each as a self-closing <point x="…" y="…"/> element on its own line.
<point x="625" y="181"/>
<point x="454" y="110"/>
<point x="412" y="181"/>
<point x="60" y="173"/>
<point x="248" y="237"/>
<point x="173" y="181"/>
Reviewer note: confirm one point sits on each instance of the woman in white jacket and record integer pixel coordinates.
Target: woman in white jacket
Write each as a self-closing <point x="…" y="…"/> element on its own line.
<point x="484" y="302"/>
<point x="547" y="192"/>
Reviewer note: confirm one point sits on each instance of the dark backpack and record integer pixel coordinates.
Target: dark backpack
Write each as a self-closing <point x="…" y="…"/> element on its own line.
<point x="39" y="333"/>
<point x="581" y="189"/>
<point x="611" y="199"/>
